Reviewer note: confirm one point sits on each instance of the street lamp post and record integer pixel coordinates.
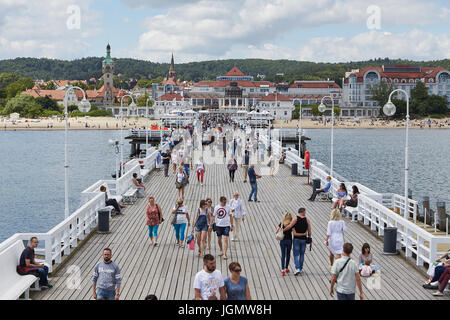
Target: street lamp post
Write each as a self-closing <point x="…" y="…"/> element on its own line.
<point x="322" y="109"/>
<point x="84" y="106"/>
<point x="148" y="124"/>
<point x="389" y="110"/>
<point x="131" y="106"/>
<point x="300" y="130"/>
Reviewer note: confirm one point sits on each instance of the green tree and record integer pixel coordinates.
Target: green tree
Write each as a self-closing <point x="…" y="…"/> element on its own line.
<point x="314" y="109"/>
<point x="25" y="105"/>
<point x="381" y="92"/>
<point x="48" y="103"/>
<point x="144" y="83"/>
<point x="18" y="86"/>
<point x="142" y="101"/>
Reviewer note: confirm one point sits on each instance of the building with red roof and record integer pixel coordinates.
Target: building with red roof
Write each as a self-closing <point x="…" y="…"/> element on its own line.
<point x="231" y="91"/>
<point x="356" y="96"/>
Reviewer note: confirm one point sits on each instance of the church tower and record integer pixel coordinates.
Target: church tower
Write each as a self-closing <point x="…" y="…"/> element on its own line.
<point x="172" y="72"/>
<point x="108" y="74"/>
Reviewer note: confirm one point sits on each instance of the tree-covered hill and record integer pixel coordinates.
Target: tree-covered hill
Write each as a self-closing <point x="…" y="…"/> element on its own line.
<point x="86" y="68"/>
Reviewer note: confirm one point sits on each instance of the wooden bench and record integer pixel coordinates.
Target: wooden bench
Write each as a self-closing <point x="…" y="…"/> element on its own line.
<point x="13" y="285"/>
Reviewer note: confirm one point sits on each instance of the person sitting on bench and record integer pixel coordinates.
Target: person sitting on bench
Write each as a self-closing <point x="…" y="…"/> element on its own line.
<point x="111" y="202"/>
<point x="27" y="264"/>
<point x="324" y="189"/>
<point x="136" y="183"/>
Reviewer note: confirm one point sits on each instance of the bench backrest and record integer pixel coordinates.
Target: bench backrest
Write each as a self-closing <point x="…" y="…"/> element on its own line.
<point x="9" y="260"/>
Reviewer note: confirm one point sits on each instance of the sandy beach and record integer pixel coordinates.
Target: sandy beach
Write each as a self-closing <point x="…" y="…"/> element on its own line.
<point x="109" y="123"/>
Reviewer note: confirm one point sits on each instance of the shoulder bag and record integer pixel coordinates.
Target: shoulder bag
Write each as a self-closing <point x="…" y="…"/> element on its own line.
<point x="309" y="241"/>
<point x="280" y="234"/>
<point x="342" y="269"/>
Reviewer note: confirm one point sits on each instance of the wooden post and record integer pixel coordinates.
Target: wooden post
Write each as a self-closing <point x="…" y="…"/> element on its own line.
<point x="442" y="215"/>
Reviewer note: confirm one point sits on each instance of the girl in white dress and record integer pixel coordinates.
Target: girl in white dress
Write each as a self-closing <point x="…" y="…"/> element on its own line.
<point x="335" y="235"/>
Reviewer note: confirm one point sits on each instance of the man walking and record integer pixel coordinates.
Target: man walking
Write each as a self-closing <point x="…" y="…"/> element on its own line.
<point x="346" y="273"/>
<point x="166" y="161"/>
<point x="106" y="279"/>
<point x="252" y="176"/>
<point x="209" y="282"/>
<point x="224" y="224"/>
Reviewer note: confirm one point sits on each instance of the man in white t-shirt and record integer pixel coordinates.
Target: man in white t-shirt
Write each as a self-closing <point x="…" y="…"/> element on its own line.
<point x="224" y="224"/>
<point x="209" y="282"/>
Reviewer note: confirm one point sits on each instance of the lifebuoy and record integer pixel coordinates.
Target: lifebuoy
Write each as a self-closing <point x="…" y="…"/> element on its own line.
<point x="306" y="159"/>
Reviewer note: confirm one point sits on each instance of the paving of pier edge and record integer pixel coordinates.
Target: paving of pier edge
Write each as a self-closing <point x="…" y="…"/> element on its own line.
<point x="169" y="271"/>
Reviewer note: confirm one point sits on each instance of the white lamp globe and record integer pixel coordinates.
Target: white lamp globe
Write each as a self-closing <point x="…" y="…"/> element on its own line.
<point x="389" y="109"/>
<point x="132" y="106"/>
<point x="84" y="106"/>
<point x="321" y="108"/>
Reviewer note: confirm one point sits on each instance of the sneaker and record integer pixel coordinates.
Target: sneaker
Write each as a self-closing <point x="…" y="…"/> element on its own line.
<point x="250" y="200"/>
<point x="232" y="239"/>
<point x="287" y="270"/>
<point x="283" y="273"/>
<point x="436" y="283"/>
<point x="47" y="286"/>
<point x="300" y="271"/>
<point x="438" y="294"/>
<point x="297" y="272"/>
<point x="257" y="201"/>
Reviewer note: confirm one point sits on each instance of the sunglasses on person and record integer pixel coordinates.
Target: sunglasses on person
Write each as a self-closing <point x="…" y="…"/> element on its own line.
<point x="237" y="270"/>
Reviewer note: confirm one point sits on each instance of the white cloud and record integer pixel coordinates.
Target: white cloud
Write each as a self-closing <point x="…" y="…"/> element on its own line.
<point x="215" y="29"/>
<point x="416" y="45"/>
<point x="39" y="29"/>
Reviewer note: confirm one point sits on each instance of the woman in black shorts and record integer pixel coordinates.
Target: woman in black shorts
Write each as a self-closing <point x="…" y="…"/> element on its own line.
<point x="353" y="202"/>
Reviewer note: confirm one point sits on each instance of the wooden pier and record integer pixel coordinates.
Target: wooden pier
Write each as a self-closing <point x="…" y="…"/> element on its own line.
<point x="169" y="271"/>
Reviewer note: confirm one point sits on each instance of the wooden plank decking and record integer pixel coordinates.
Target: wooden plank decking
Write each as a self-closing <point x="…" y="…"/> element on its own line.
<point x="168" y="271"/>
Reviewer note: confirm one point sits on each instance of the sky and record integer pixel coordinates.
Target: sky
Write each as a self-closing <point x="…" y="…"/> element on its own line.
<point x="198" y="30"/>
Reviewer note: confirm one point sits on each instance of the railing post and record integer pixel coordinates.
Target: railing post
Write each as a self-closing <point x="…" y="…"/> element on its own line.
<point x="48" y="253"/>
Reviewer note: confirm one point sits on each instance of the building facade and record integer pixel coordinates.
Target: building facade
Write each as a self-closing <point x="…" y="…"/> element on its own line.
<point x="356" y="91"/>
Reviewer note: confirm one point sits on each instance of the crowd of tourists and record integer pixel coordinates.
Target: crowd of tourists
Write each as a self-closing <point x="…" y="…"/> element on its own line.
<point x="293" y="231"/>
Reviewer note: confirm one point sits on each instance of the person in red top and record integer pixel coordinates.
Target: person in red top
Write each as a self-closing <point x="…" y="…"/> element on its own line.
<point x="154" y="218"/>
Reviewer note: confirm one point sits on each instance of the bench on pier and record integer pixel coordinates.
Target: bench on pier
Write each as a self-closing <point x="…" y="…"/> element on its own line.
<point x="130" y="196"/>
<point x="325" y="196"/>
<point x="145" y="173"/>
<point x="353" y="212"/>
<point x="13" y="285"/>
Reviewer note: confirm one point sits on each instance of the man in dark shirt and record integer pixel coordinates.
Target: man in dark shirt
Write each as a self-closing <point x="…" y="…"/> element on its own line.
<point x="27" y="263"/>
<point x="165" y="161"/>
<point x="252" y="176"/>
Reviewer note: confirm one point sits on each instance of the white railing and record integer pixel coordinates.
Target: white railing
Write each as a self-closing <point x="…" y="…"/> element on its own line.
<point x="64" y="236"/>
<point x="292" y="157"/>
<point x="415" y="239"/>
<point x="396" y="203"/>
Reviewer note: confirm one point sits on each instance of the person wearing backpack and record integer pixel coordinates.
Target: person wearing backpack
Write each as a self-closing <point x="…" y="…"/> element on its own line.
<point x="285" y="242"/>
<point x="345" y="274"/>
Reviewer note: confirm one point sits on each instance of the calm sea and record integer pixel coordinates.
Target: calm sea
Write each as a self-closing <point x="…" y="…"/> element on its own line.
<point x="32" y="168"/>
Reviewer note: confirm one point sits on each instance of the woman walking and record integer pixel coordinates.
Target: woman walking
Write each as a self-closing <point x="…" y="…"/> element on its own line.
<point x="153" y="214"/>
<point x="301" y="226"/>
<point x="232" y="167"/>
<point x="174" y="158"/>
<point x="239" y="213"/>
<point x="180" y="219"/>
<point x="210" y="209"/>
<point x="236" y="286"/>
<point x="201" y="224"/>
<point x="335" y="235"/>
<point x="179" y="182"/>
<point x="286" y="243"/>
<point x="200" y="169"/>
<point x="272" y="164"/>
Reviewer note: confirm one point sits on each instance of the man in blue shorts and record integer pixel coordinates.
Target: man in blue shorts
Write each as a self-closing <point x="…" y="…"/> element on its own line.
<point x="224" y="224"/>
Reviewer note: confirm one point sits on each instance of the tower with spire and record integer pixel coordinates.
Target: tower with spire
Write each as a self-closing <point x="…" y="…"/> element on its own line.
<point x="172" y="73"/>
<point x="108" y="75"/>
